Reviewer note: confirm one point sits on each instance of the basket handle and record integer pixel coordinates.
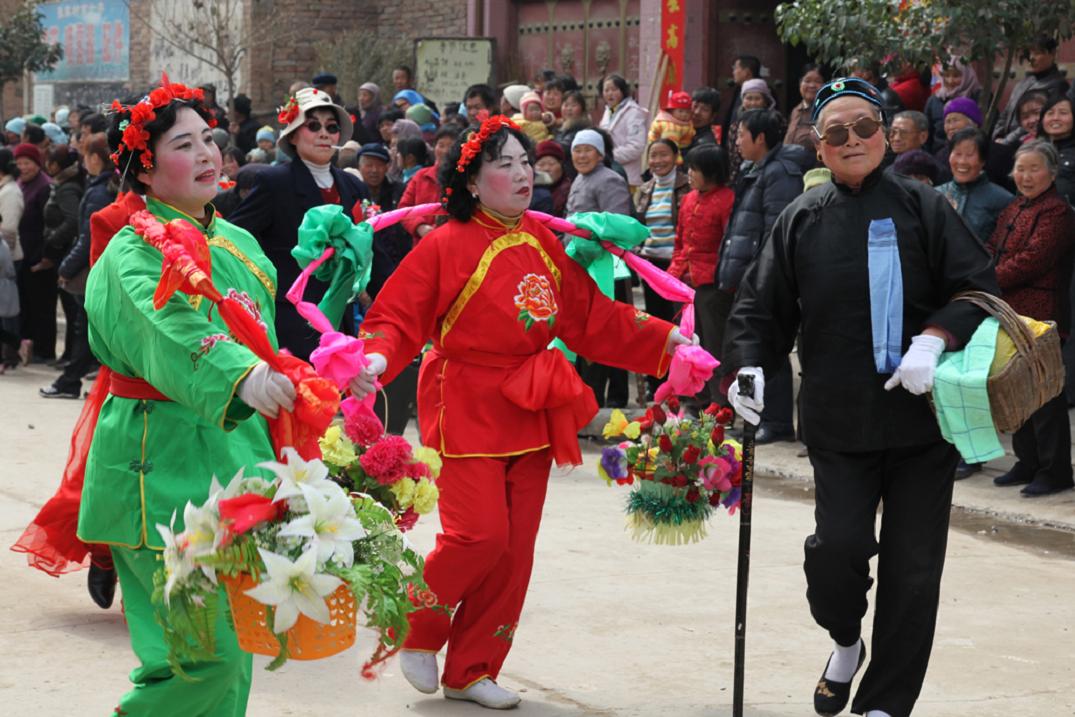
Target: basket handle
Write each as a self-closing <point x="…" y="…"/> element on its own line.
<point x="1021" y="335"/>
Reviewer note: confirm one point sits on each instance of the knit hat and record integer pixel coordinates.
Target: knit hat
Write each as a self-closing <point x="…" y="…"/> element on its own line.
<point x="15" y="125"/>
<point x="589" y="137"/>
<point x="550" y="148"/>
<point x="420" y="114"/>
<point x="62" y="115"/>
<point x="30" y="151"/>
<point x="964" y="106"/>
<point x="37" y="119"/>
<point x="374" y="149"/>
<point x="54" y="133"/>
<point x="918" y="162"/>
<point x="299" y="106"/>
<point x="757" y="85"/>
<point x="221" y="137"/>
<point x="529" y="98"/>
<point x="514" y="95"/>
<point x="265" y="132"/>
<point x="678" y="101"/>
<point x="370" y="87"/>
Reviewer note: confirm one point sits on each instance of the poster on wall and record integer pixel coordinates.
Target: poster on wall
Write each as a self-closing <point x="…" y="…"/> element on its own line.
<point x="444" y="67"/>
<point x="95" y="37"/>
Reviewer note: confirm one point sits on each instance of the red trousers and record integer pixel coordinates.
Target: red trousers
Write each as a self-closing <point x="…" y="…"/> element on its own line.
<point x="490" y="510"/>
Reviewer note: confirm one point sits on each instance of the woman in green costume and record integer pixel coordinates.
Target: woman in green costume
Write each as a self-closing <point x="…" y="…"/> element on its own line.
<point x="184" y="396"/>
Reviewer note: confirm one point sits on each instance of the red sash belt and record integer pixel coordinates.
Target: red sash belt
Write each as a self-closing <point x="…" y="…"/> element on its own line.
<point x="128" y="387"/>
<point x="547" y="382"/>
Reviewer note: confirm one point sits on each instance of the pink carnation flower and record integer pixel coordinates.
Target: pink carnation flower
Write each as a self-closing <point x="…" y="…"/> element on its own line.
<point x="387" y="460"/>
<point x="360" y="423"/>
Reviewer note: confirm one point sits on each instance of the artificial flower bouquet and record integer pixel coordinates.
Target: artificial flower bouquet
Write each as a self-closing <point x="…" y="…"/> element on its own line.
<point x="298" y="557"/>
<point x="682" y="467"/>
<point x="361" y="458"/>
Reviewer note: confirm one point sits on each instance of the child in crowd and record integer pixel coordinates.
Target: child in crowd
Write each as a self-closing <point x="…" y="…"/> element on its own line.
<point x="413" y="155"/>
<point x="532" y="119"/>
<point x="674" y="122"/>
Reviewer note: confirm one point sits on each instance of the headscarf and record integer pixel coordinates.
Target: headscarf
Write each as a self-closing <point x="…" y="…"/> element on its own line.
<point x="590" y="138"/>
<point x="405" y="129"/>
<point x="758" y="85"/>
<point x="968" y="85"/>
<point x="374" y="89"/>
<point x="410" y="96"/>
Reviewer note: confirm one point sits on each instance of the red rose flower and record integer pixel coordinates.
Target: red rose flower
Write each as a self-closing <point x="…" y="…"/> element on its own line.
<point x="712" y="409"/>
<point x="243" y="512"/>
<point x="407" y="520"/>
<point x="665" y="443"/>
<point x="717" y="436"/>
<point x="681" y="481"/>
<point x="673" y="404"/>
<point x="714" y="499"/>
<point x="693" y="495"/>
<point x="691" y="454"/>
<point x="645" y="423"/>
<point x="659" y="416"/>
<point x="725" y="416"/>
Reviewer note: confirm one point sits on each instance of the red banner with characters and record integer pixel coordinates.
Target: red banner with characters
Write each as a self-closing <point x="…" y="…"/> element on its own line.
<point x="673" y="30"/>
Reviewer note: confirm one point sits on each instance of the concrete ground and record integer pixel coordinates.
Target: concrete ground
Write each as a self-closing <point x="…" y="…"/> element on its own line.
<point x="611" y="627"/>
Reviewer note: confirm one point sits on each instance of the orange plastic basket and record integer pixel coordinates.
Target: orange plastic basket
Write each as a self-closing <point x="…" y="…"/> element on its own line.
<point x="307" y="639"/>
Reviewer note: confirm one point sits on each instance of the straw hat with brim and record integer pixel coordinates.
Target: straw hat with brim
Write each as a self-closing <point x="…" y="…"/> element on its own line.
<point x="309" y="99"/>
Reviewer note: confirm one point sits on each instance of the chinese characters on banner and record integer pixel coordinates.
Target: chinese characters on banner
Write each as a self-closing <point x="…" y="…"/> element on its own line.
<point x="673" y="28"/>
<point x="445" y="67"/>
<point x="95" y="40"/>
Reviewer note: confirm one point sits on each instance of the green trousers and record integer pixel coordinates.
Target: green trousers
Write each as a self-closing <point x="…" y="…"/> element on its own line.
<point x="222" y="687"/>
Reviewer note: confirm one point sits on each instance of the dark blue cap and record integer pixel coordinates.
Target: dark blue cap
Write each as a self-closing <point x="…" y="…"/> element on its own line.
<point x="374" y="149"/>
<point x="845" y="87"/>
<point x="325" y="78"/>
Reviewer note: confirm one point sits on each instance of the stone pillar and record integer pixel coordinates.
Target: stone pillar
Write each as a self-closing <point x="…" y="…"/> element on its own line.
<point x="696" y="51"/>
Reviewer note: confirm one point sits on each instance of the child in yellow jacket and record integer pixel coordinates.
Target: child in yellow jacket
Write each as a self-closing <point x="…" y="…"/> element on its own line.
<point x="674" y="122"/>
<point x="532" y="119"/>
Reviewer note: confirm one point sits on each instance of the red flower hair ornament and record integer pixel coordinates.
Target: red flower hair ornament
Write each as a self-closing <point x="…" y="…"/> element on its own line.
<point x="473" y="146"/>
<point x="135" y="136"/>
<point x="288" y="112"/>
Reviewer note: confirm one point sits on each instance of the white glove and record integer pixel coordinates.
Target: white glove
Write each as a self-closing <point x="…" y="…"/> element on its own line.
<point x="749" y="408"/>
<point x="916" y="369"/>
<point x="365" y="382"/>
<point x="678" y="339"/>
<point x="267" y="391"/>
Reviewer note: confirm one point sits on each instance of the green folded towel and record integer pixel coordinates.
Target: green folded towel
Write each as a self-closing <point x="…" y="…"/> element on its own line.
<point x="961" y="398"/>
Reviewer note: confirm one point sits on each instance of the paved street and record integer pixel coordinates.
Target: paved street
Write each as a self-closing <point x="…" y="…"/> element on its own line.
<point x="611" y="627"/>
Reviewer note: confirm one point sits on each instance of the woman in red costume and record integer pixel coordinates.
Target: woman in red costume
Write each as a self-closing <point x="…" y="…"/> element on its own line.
<point x="492" y="288"/>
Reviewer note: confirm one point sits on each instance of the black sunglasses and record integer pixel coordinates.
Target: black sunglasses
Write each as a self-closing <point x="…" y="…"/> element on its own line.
<point x="315" y="127"/>
<point x="838" y="134"/>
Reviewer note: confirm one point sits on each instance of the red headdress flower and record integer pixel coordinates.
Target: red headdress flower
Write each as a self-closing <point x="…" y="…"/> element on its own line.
<point x="288" y="112"/>
<point x="135" y="137"/>
<point x="473" y="146"/>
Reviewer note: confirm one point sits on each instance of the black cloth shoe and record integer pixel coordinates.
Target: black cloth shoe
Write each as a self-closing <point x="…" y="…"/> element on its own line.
<point x="966" y="470"/>
<point x="1041" y="485"/>
<point x="1016" y="476"/>
<point x="101" y="584"/>
<point x="830" y="697"/>
<point x="53" y="392"/>
<point x="768" y="434"/>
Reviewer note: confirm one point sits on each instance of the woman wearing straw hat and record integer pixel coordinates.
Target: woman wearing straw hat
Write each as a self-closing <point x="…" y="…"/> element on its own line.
<point x="272" y="212"/>
<point x="865" y="267"/>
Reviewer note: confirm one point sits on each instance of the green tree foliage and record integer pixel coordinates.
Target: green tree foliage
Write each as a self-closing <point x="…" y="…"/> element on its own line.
<point x="22" y="45"/>
<point x="843" y="33"/>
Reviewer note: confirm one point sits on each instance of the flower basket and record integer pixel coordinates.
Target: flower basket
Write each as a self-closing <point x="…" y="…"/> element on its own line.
<point x="306" y="640"/>
<point x="681" y="467"/>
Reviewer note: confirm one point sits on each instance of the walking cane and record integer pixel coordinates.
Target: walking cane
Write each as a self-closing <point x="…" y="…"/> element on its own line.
<point x="746" y="388"/>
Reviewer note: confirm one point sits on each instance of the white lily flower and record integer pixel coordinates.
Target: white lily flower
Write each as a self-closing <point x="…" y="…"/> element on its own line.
<point x="296" y="473"/>
<point x="178" y="563"/>
<point x="331" y="523"/>
<point x="294" y="587"/>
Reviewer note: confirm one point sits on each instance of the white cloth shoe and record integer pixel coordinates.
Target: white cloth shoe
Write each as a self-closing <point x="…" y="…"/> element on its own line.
<point x="486" y="693"/>
<point x="420" y="669"/>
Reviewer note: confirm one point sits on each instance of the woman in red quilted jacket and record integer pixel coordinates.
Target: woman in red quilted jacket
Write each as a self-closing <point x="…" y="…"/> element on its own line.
<point x="424" y="186"/>
<point x="1032" y="246"/>
<point x="703" y="216"/>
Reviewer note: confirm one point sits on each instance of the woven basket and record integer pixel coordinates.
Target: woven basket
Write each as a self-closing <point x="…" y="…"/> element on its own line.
<point x="1032" y="378"/>
<point x="307" y="639"/>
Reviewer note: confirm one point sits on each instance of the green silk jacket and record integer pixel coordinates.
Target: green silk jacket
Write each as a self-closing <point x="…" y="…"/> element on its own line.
<point x="148" y="458"/>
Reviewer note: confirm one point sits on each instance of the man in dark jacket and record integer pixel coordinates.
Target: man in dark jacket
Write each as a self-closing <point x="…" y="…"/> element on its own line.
<point x="1044" y="76"/>
<point x="859" y="270"/>
<point x="774" y="179"/>
<point x="273" y="211"/>
<point x="705" y="101"/>
<point x="243" y="125"/>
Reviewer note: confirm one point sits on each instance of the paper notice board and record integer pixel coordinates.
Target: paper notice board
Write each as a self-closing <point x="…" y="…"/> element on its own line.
<point x="446" y="66"/>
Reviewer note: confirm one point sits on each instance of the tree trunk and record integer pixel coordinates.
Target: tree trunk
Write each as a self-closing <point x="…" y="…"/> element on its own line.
<point x="991" y="115"/>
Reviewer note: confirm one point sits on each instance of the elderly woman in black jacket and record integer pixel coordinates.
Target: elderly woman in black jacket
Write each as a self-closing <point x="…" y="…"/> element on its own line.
<point x="61" y="224"/>
<point x="98" y="194"/>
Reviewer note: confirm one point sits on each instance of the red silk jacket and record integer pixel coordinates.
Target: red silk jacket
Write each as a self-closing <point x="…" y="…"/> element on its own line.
<point x="492" y="298"/>
<point x="699" y="234"/>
